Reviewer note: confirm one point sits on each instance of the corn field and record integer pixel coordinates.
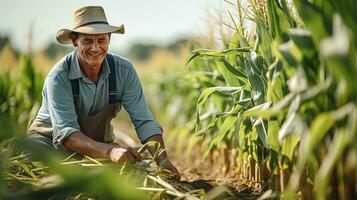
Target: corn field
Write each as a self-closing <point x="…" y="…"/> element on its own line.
<point x="282" y="98"/>
<point x="276" y="104"/>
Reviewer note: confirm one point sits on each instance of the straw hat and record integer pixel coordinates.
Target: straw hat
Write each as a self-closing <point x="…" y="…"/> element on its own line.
<point x="88" y="20"/>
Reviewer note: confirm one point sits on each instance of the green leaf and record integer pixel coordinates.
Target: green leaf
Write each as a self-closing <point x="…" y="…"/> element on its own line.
<point x="193" y="141"/>
<point x="219" y="89"/>
<point x="258" y="111"/>
<point x="298" y="83"/>
<point x="244" y="129"/>
<point x="303" y="40"/>
<point x="231" y="80"/>
<point x="321" y="125"/>
<point x="277" y="21"/>
<point x="273" y="139"/>
<point x="212" y="53"/>
<point x="340" y="57"/>
<point x="288" y="13"/>
<point x="275" y="87"/>
<point x="347" y="10"/>
<point x="234" y="43"/>
<point x="314" y="18"/>
<point x="8" y="128"/>
<point x="229" y="122"/>
<point x="262" y="131"/>
<point x="181" y="139"/>
<point x="293" y="125"/>
<point x="264" y="41"/>
<point x="290" y="53"/>
<point x="334" y="153"/>
<point x="265" y="110"/>
<point x="206" y="93"/>
<point x="288" y="146"/>
<point x="233" y="76"/>
<point x="155" y="144"/>
<point x="256" y="81"/>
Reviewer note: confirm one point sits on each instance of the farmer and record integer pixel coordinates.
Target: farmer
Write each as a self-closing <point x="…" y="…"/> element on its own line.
<point x="86" y="89"/>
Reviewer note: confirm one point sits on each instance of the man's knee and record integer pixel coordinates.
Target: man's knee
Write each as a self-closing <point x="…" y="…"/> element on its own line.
<point x="38" y="139"/>
<point x="34" y="143"/>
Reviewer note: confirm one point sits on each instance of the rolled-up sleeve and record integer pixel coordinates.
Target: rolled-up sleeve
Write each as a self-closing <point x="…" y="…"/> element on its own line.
<point x="61" y="109"/>
<point x="134" y="103"/>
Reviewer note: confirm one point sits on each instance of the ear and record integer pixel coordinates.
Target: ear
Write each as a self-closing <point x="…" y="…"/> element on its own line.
<point x="109" y="35"/>
<point x="74" y="42"/>
<point x="74" y="39"/>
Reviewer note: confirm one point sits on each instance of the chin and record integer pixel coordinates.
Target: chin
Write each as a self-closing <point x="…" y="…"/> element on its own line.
<point x="96" y="61"/>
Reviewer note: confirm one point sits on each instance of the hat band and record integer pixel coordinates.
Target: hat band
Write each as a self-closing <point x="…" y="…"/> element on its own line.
<point x="95" y="22"/>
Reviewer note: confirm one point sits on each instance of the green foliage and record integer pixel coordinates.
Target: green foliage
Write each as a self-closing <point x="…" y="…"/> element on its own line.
<point x="141" y="51"/>
<point x="4" y="39"/>
<point x="20" y="94"/>
<point x="20" y="97"/>
<point x="288" y="91"/>
<point x="53" y="50"/>
<point x="282" y="94"/>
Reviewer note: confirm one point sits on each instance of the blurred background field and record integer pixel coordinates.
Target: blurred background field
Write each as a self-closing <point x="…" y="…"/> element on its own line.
<point x="261" y="103"/>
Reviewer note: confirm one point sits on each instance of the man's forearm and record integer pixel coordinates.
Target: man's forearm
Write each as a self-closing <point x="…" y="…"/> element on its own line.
<point x="78" y="142"/>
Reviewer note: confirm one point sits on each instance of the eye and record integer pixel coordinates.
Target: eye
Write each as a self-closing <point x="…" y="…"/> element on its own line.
<point x="86" y="42"/>
<point x="102" y="41"/>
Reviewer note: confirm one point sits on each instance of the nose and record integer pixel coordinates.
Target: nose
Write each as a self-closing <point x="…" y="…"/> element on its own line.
<point x="95" y="46"/>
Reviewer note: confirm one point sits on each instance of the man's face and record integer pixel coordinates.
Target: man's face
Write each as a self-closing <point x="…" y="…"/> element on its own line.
<point x="92" y="48"/>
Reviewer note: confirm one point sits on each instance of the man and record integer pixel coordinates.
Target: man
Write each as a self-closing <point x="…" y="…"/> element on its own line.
<point x="85" y="90"/>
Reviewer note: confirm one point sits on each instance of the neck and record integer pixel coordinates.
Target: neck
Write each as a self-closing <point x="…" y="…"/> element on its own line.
<point x="92" y="72"/>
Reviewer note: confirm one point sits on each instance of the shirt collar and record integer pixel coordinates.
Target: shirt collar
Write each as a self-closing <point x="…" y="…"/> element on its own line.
<point x="75" y="71"/>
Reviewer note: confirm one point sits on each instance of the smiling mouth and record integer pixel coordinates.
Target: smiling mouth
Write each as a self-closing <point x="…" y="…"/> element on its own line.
<point x="95" y="55"/>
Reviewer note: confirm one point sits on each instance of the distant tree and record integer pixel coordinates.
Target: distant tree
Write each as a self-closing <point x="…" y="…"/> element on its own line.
<point x="178" y="44"/>
<point x="4" y="39"/>
<point x="53" y="50"/>
<point x="141" y="51"/>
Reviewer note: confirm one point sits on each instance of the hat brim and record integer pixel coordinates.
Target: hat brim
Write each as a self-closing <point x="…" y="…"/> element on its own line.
<point x="63" y="35"/>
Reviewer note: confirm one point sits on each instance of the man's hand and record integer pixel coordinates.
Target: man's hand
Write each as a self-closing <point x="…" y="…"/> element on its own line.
<point x="162" y="159"/>
<point x="166" y="164"/>
<point x="121" y="155"/>
<point x="84" y="145"/>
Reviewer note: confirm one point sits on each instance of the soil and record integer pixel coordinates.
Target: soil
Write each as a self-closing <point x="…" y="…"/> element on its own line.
<point x="212" y="181"/>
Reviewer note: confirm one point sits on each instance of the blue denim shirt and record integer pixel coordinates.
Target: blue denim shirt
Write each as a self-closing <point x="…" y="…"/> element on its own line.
<point x="57" y="99"/>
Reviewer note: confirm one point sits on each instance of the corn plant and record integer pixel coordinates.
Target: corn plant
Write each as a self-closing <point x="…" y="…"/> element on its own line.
<point x="20" y="94"/>
<point x="283" y="95"/>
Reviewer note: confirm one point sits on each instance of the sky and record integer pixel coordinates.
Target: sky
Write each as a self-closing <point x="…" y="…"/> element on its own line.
<point x="148" y="21"/>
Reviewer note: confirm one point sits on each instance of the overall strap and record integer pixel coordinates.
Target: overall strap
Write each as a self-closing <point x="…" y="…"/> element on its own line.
<point x="112" y="80"/>
<point x="74" y="82"/>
